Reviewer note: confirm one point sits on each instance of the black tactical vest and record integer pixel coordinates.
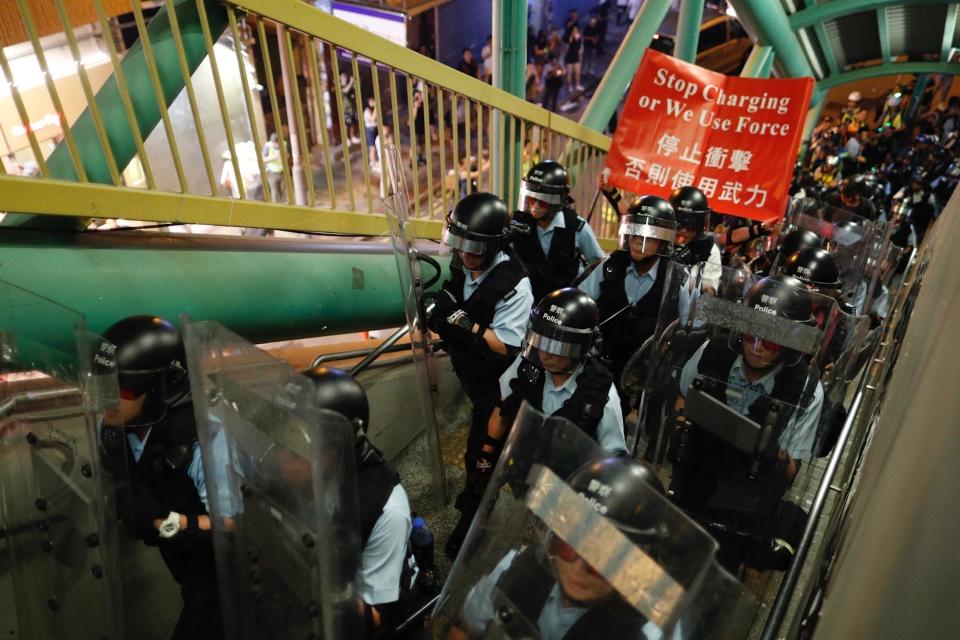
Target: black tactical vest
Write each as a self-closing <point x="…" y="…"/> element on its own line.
<point x="696" y="251"/>
<point x="375" y="482"/>
<point x="584" y="408"/>
<point x="526" y="586"/>
<point x="481" y="365"/>
<point x="624" y="334"/>
<point x="559" y="267"/>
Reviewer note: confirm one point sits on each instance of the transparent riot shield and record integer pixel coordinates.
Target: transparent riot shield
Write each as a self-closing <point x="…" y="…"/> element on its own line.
<point x="281" y="487"/>
<point x="551" y="547"/>
<point x="847" y="236"/>
<point x="678" y="334"/>
<point x="58" y="564"/>
<point x="397" y="206"/>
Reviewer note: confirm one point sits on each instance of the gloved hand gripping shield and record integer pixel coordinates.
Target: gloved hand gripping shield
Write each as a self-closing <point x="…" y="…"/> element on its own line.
<point x="281" y="484"/>
<point x="847" y="236"/>
<point x="55" y="510"/>
<point x="412" y="288"/>
<point x="564" y="529"/>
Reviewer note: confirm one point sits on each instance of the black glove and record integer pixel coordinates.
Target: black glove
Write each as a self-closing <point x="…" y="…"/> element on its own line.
<point x="463" y="329"/>
<point x="444" y="304"/>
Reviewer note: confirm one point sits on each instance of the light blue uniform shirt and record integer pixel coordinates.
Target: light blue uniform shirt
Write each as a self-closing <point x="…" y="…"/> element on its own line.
<point x="610" y="429"/>
<point x="381" y="562"/>
<point x="586" y="239"/>
<point x="194" y="469"/>
<point x="555" y="618"/>
<point x="801" y="431"/>
<point x="634" y="285"/>
<point x="510" y="315"/>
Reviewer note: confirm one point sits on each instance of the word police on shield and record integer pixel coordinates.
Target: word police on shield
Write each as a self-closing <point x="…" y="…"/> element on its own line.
<point x="734" y="138"/>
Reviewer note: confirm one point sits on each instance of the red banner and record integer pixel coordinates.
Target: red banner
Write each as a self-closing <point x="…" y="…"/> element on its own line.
<point x="736" y="139"/>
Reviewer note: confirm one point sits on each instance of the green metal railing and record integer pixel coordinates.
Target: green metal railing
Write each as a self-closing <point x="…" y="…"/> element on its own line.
<point x="221" y="78"/>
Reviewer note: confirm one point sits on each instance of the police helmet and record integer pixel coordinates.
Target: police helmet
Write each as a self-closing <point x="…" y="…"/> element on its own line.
<point x="816" y="269"/>
<point x="652" y="219"/>
<point x="149" y="356"/>
<point x="795" y="241"/>
<point x="691" y="208"/>
<point x="563" y="324"/>
<point x="548" y="182"/>
<point x="337" y="390"/>
<point x="782" y="297"/>
<point x="478" y="224"/>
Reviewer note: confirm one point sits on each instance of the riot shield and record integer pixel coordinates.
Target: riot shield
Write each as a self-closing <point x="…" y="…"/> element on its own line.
<point x="847" y="236"/>
<point x="678" y="334"/>
<point x="397" y="207"/>
<point x="550" y="548"/>
<point x="281" y="487"/>
<point x="58" y="532"/>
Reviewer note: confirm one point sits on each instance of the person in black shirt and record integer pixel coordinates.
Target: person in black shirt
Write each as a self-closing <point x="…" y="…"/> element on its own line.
<point x="467" y="64"/>
<point x="592" y="40"/>
<point x="573" y="20"/>
<point x="573" y="57"/>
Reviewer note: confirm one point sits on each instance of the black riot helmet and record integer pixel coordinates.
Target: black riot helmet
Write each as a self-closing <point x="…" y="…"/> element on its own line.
<point x="816" y="269"/>
<point x="792" y="242"/>
<point x="781" y="297"/>
<point x="564" y="324"/>
<point x="149" y="356"/>
<point x="479" y="224"/>
<point x="337" y="390"/>
<point x="692" y="209"/>
<point x="652" y="219"/>
<point x="548" y="182"/>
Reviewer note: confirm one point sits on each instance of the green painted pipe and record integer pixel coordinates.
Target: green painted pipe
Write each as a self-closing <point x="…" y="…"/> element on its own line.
<point x="688" y="30"/>
<point x="624" y="65"/>
<point x="145" y="103"/>
<point x="768" y="23"/>
<point x="263" y="289"/>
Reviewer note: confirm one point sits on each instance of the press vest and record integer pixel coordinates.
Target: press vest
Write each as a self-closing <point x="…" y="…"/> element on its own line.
<point x="560" y="266"/>
<point x="526" y="586"/>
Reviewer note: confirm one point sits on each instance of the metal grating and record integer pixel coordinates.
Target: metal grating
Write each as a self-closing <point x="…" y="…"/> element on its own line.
<point x="854" y="38"/>
<point x="916" y="31"/>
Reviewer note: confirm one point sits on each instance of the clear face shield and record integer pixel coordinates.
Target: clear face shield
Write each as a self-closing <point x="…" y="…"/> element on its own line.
<point x="471" y="250"/>
<point x="538" y="203"/>
<point x="647" y="237"/>
<point x="691" y="224"/>
<point x="557" y="349"/>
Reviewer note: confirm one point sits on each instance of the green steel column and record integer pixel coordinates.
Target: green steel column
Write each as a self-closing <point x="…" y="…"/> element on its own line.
<point x="916" y="97"/>
<point x="264" y="290"/>
<point x="688" y="30"/>
<point x="767" y="20"/>
<point x="817" y="100"/>
<point x="759" y="63"/>
<point x="145" y="102"/>
<point x="509" y="74"/>
<point x="624" y="65"/>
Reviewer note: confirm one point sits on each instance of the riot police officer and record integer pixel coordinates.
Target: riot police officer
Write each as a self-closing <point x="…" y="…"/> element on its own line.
<point x="773" y="386"/>
<point x="628" y="285"/>
<point x="559" y="373"/>
<point x="695" y="243"/>
<point x="554" y="242"/>
<point x="564" y="597"/>
<point x="788" y="245"/>
<point x="385" y="524"/>
<point x="481" y="310"/>
<point x="150" y="440"/>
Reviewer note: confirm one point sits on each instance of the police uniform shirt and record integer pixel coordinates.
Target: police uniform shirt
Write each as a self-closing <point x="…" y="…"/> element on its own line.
<point x="798" y="437"/>
<point x="586" y="239"/>
<point x="381" y="562"/>
<point x="510" y="313"/>
<point x="712" y="270"/>
<point x="555" y="619"/>
<point x="634" y="285"/>
<point x="609" y="431"/>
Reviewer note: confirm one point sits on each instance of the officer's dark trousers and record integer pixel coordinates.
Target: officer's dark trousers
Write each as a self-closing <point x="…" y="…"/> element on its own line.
<point x="194" y="571"/>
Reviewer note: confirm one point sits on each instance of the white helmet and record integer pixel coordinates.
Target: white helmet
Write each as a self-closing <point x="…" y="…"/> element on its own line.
<point x="854" y="97"/>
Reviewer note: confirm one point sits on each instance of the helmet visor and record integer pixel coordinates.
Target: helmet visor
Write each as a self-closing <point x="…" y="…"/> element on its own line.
<point x="692" y="221"/>
<point x="552" y="198"/>
<point x="647" y="235"/>
<point x="558" y="349"/>
<point x="452" y="238"/>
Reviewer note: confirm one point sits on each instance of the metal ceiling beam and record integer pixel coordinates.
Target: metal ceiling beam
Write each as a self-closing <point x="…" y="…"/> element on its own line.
<point x="767" y="21"/>
<point x="839" y="8"/>
<point x="949" y="28"/>
<point x="688" y="30"/>
<point x="759" y="63"/>
<point x="883" y="34"/>
<point x="889" y="69"/>
<point x="828" y="54"/>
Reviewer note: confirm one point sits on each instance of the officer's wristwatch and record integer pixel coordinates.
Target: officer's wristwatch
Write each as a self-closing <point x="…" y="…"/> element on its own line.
<point x="171" y="526"/>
